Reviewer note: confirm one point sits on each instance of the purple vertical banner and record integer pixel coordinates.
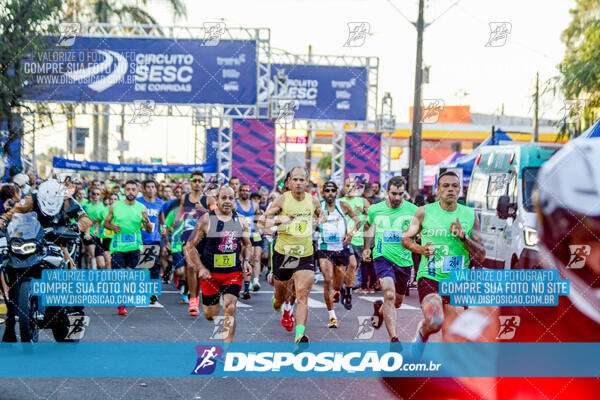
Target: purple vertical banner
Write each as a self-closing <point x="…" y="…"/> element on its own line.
<point x="363" y="155"/>
<point x="254" y="152"/>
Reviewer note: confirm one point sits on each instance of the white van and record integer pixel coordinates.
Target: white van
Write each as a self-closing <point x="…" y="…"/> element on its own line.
<point x="500" y="191"/>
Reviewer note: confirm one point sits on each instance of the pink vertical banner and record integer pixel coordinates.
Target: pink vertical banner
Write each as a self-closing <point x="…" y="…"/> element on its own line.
<point x="363" y="152"/>
<point x="254" y="152"/>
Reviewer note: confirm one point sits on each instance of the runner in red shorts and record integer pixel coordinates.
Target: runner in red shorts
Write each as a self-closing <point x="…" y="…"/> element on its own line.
<point x="221" y="238"/>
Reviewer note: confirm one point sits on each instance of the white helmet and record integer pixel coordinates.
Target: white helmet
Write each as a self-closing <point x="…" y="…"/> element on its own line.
<point x="50" y="197"/>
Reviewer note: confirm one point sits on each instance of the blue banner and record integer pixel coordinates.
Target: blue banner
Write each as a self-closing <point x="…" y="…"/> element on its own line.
<point x="325" y="92"/>
<point x="14" y="158"/>
<point x="283" y="359"/>
<point x="212" y="145"/>
<point x="122" y="70"/>
<point x="65" y="163"/>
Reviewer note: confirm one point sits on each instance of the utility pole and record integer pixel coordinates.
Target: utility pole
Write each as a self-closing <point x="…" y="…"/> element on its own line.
<point x="309" y="131"/>
<point x="416" y="136"/>
<point x="122" y="132"/>
<point x="536" y="105"/>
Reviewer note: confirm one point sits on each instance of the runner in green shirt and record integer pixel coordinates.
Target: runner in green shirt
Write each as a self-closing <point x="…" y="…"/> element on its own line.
<point x="94" y="209"/>
<point x="126" y="218"/>
<point x="450" y="232"/>
<point x="386" y="223"/>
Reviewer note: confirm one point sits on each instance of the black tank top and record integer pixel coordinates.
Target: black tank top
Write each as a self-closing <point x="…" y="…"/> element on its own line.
<point x="188" y="203"/>
<point x="221" y="249"/>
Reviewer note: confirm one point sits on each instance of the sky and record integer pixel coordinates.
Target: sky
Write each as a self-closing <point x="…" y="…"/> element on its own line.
<point x="453" y="47"/>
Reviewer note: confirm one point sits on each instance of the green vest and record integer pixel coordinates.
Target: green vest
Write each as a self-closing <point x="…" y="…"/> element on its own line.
<point x="94" y="211"/>
<point x="129" y="218"/>
<point x="176" y="245"/>
<point x="450" y="252"/>
<point x="358" y="239"/>
<point x="390" y="225"/>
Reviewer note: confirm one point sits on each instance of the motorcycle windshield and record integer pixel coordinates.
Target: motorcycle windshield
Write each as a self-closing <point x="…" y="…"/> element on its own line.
<point x="24" y="226"/>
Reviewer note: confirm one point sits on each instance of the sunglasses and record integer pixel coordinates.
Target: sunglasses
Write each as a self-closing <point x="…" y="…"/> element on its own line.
<point x="197" y="180"/>
<point x="95" y="193"/>
<point x="329" y="190"/>
<point x="245" y="190"/>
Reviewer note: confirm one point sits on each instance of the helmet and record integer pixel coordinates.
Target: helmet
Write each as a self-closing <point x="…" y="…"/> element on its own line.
<point x="50" y="197"/>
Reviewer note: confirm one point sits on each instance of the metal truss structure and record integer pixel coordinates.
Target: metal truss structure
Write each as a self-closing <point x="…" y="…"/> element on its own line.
<point x="205" y="116"/>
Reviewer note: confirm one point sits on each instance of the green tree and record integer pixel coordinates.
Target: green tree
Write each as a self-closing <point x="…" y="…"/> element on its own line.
<point x="579" y="80"/>
<point x="23" y="27"/>
<point x="114" y="12"/>
<point x="324" y="165"/>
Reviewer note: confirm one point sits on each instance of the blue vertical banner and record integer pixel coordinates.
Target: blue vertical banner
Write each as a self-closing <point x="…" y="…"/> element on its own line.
<point x="14" y="154"/>
<point x="211" y="145"/>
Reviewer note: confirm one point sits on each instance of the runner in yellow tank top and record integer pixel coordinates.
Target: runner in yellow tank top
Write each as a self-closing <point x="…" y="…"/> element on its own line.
<point x="293" y="250"/>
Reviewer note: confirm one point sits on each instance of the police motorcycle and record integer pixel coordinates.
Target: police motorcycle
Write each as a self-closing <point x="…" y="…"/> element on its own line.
<point x="27" y="249"/>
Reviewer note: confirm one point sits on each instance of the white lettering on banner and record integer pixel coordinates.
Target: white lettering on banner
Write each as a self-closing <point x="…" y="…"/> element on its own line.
<point x="342" y="94"/>
<point x="343" y="84"/>
<point x="231" y="73"/>
<point x="158" y="73"/>
<point x="319" y="362"/>
<point x="343" y="105"/>
<point x="303" y="82"/>
<point x="142" y="59"/>
<point x="300" y="93"/>
<point x="231" y="60"/>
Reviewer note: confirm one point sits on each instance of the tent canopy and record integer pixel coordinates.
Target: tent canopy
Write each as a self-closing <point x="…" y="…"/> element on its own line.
<point x="592" y="132"/>
<point x="451" y="158"/>
<point x="467" y="162"/>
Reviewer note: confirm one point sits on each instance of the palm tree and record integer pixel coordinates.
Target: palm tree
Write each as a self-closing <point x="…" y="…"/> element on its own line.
<point x="111" y="11"/>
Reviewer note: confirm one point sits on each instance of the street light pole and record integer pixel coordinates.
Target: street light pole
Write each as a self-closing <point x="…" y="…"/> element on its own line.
<point x="416" y="136"/>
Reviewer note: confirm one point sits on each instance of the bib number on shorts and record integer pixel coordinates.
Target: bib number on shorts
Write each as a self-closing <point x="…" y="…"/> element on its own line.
<point x="452" y="263"/>
<point x="108" y="233"/>
<point x="224" y="260"/>
<point x="392" y="236"/>
<point x="127" y="238"/>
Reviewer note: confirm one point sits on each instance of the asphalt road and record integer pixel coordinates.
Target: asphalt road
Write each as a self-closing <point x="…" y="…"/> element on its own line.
<point x="168" y="321"/>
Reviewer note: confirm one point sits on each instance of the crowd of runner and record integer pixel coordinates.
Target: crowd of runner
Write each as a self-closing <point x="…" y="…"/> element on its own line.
<point x="213" y="240"/>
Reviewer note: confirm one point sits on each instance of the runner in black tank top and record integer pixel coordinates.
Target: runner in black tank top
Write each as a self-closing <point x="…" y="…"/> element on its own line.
<point x="191" y="212"/>
<point x="219" y="243"/>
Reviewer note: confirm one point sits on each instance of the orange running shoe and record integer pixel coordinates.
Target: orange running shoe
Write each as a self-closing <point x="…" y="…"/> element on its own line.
<point x="194" y="304"/>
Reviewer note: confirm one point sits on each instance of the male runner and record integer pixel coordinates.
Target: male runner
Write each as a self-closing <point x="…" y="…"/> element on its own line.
<point x="333" y="239"/>
<point x="386" y="222"/>
<point x="126" y="218"/>
<point x="360" y="207"/>
<point x="151" y="241"/>
<point x="247" y="209"/>
<point x="95" y="210"/>
<point x="192" y="206"/>
<point x="293" y="250"/>
<point x="450" y="232"/>
<point x="220" y="239"/>
<point x="234" y="183"/>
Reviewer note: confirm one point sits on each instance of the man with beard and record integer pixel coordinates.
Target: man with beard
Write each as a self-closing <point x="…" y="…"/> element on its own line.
<point x="126" y="218"/>
<point x="333" y="241"/>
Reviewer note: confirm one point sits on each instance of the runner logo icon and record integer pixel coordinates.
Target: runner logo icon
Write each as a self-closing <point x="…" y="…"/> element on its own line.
<point x="357" y="33"/>
<point x="68" y="33"/>
<point x="579" y="254"/>
<point x="207" y="356"/>
<point x="508" y="326"/>
<point x="118" y="71"/>
<point x="499" y="32"/>
<point x="223" y="324"/>
<point x="365" y="328"/>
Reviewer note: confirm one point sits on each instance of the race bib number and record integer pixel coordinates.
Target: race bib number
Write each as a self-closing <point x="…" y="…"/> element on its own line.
<point x="108" y="233"/>
<point x="297" y="228"/>
<point x="332" y="237"/>
<point x="453" y="263"/>
<point x="127" y="238"/>
<point x="392" y="236"/>
<point x="441" y="251"/>
<point x="256" y="236"/>
<point x="224" y="260"/>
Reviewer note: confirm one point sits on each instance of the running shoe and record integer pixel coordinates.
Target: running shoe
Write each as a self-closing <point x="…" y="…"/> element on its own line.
<point x="418" y="335"/>
<point x="376" y="319"/>
<point x="394" y="340"/>
<point x="246" y="295"/>
<point x="333" y="323"/>
<point x="122" y="310"/>
<point x="185" y="299"/>
<point x="153" y="299"/>
<point x="175" y="282"/>
<point x="336" y="296"/>
<point x="287" y="321"/>
<point x="347" y="299"/>
<point x="194" y="304"/>
<point x="255" y="285"/>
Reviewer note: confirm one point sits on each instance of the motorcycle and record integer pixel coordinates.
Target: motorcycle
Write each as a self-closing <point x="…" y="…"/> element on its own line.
<point x="27" y="250"/>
